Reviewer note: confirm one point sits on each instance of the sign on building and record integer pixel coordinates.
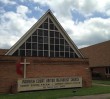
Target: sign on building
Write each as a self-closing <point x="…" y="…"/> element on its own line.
<point x="29" y="84"/>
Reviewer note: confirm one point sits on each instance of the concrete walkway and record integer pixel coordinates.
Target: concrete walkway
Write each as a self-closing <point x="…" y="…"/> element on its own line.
<point x="100" y="96"/>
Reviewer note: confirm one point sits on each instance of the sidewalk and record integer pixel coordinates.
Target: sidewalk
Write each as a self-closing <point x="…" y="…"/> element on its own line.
<point x="99" y="96"/>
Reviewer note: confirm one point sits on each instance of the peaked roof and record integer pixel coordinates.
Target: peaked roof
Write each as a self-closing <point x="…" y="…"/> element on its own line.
<point x="35" y="26"/>
<point x="98" y="54"/>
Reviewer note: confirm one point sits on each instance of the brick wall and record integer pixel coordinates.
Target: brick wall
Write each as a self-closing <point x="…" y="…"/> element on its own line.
<point x="42" y="67"/>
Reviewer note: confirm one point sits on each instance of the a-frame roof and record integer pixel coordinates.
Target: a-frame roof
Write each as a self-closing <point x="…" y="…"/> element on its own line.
<point x="36" y="25"/>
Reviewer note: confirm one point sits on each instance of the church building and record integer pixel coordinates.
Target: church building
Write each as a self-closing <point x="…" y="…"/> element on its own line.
<point x="99" y="59"/>
<point x="45" y="51"/>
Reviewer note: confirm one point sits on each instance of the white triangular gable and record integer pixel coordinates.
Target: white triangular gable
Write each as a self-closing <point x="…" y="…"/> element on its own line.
<point x="48" y="15"/>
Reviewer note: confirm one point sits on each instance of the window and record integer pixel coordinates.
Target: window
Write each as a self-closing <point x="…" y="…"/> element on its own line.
<point x="66" y="48"/>
<point x="51" y="40"/>
<point x="34" y="46"/>
<point x="22" y="46"/>
<point x="76" y="56"/>
<point x="56" y="41"/>
<point x="46" y="21"/>
<point x="66" y="43"/>
<point x="67" y="54"/>
<point x="51" y="26"/>
<point x="52" y="47"/>
<point x="40" y="39"/>
<point x="61" y="47"/>
<point x="45" y="46"/>
<point x="51" y="33"/>
<point x="61" y="54"/>
<point x="56" y="34"/>
<point x="107" y="70"/>
<point x="41" y="26"/>
<point x="22" y="52"/>
<point x="34" y="53"/>
<point x="56" y="47"/>
<point x="51" y="54"/>
<point x="35" y="33"/>
<point x="40" y="53"/>
<point x="45" y="53"/>
<point x="45" y="41"/>
<point x="50" y="21"/>
<point x="56" y="54"/>
<point x="45" y="25"/>
<point x="45" y="33"/>
<point x="56" y="28"/>
<point x="15" y="53"/>
<point x="71" y="50"/>
<point x="62" y="41"/>
<point x="29" y="39"/>
<point x="61" y="36"/>
<point x="72" y="55"/>
<point x="28" y="45"/>
<point x="40" y="33"/>
<point x="34" y="38"/>
<point x="40" y="46"/>
<point x="28" y="52"/>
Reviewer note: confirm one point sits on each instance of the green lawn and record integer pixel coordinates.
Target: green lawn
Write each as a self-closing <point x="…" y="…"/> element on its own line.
<point x="54" y="94"/>
<point x="106" y="82"/>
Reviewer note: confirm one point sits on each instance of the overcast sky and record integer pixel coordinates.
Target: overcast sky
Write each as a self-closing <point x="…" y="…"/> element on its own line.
<point x="86" y="21"/>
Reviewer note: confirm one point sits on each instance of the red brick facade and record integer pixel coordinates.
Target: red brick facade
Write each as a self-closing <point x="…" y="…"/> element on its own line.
<point x="99" y="59"/>
<point x="42" y="67"/>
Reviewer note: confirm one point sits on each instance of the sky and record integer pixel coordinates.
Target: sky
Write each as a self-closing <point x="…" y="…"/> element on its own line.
<point x="87" y="22"/>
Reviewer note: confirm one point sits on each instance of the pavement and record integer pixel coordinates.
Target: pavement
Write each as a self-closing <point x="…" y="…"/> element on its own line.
<point x="99" y="96"/>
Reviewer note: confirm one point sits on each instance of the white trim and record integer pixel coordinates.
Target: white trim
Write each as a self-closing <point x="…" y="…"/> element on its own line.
<point x="36" y="25"/>
<point x="66" y="36"/>
<point x="27" y="34"/>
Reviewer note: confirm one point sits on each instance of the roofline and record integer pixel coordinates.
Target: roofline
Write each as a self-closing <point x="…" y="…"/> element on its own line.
<point x="26" y="33"/>
<point x="67" y="35"/>
<point x="95" y="44"/>
<point x="34" y="27"/>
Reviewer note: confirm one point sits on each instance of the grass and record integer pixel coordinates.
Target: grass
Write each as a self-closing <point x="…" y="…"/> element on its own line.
<point x="54" y="94"/>
<point x="105" y="82"/>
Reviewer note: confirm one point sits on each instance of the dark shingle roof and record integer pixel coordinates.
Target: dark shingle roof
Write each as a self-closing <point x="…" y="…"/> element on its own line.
<point x="98" y="54"/>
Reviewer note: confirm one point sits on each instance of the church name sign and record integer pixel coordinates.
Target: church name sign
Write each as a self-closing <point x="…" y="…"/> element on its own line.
<point x="28" y="84"/>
